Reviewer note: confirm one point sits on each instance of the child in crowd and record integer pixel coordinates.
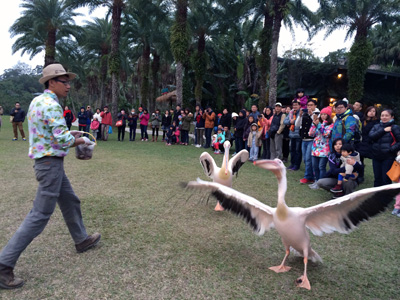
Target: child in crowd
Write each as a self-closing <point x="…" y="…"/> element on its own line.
<point x="219" y="141"/>
<point x="178" y="132"/>
<point x="347" y="152"/>
<point x="301" y="97"/>
<point x="254" y="142"/>
<point x="165" y="123"/>
<point x="171" y="138"/>
<point x="95" y="125"/>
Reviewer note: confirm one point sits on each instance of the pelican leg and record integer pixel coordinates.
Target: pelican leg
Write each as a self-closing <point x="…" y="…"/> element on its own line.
<point x="302" y="281"/>
<point x="218" y="207"/>
<point x="282" y="268"/>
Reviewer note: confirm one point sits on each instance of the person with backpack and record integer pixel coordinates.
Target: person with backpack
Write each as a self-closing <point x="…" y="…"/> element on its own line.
<point x="345" y="126"/>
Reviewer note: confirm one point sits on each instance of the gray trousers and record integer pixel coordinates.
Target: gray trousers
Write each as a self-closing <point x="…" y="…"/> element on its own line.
<point x="54" y="187"/>
<point x="104" y="131"/>
<point x="276" y="146"/>
<point x="328" y="183"/>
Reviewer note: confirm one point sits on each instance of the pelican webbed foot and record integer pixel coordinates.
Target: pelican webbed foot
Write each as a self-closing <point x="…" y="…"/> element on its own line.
<point x="218" y="207"/>
<point x="280" y="269"/>
<point x="303" y="282"/>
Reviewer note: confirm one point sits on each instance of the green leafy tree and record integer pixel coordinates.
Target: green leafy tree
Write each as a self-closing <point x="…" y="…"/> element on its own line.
<point x="42" y="24"/>
<point x="357" y="16"/>
<point x="386" y="45"/>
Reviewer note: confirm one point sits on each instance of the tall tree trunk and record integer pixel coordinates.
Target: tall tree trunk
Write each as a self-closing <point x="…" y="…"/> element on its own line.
<point x="279" y="8"/>
<point x="115" y="63"/>
<point x="155" y="68"/>
<point x="179" y="45"/>
<point x="144" y="89"/>
<point x="199" y="65"/>
<point x="50" y="54"/>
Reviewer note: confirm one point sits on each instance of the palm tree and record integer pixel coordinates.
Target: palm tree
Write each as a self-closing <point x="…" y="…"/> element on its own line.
<point x="358" y="16"/>
<point x="386" y="44"/>
<point x="42" y="24"/>
<point x="116" y="7"/>
<point x="180" y="44"/>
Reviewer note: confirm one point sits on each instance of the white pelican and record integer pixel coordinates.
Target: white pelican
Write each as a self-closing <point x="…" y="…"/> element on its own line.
<point x="342" y="214"/>
<point x="229" y="168"/>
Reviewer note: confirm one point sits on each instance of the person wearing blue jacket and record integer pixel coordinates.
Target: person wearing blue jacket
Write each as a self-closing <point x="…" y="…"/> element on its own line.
<point x="345" y="124"/>
<point x="293" y="121"/>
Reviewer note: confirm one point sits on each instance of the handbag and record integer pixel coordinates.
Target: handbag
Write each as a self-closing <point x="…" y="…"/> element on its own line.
<point x="109" y="129"/>
<point x="119" y="123"/>
<point x="11" y="119"/>
<point x="394" y="172"/>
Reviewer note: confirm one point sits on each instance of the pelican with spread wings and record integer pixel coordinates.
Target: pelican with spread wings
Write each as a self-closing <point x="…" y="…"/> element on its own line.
<point x="342" y="214"/>
<point x="229" y="167"/>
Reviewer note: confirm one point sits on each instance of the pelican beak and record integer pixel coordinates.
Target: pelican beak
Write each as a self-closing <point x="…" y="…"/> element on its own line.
<point x="226" y="160"/>
<point x="274" y="165"/>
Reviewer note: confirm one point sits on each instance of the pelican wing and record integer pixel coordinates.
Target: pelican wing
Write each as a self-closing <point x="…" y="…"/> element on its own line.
<point x="208" y="164"/>
<point x="237" y="161"/>
<point x="257" y="214"/>
<point x="345" y="213"/>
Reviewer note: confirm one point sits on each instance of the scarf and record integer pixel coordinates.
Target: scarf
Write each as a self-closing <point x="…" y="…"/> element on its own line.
<point x="294" y="119"/>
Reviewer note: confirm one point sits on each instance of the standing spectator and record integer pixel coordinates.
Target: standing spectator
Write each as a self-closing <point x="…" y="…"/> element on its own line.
<point x="301" y="97"/>
<point x="345" y="124"/>
<point x="247" y="128"/>
<point x="200" y="123"/>
<point x="132" y="123"/>
<point x="276" y="132"/>
<point x="18" y="115"/>
<point x="196" y="112"/>
<point x="307" y="116"/>
<point x="331" y="176"/>
<point x="254" y="112"/>
<point x="286" y="139"/>
<point x="68" y="116"/>
<point x="89" y="114"/>
<point x="385" y="137"/>
<point x="49" y="143"/>
<point x="209" y="117"/>
<point x="165" y="122"/>
<point x="98" y="117"/>
<point x="155" y="124"/>
<point x="239" y="131"/>
<point x="106" y="122"/>
<point x="144" y="122"/>
<point x="226" y="119"/>
<point x="357" y="110"/>
<point x="82" y="119"/>
<point x="121" y="129"/>
<point x="176" y="114"/>
<point x="264" y="123"/>
<point x="187" y="119"/>
<point x="292" y="120"/>
<point x="254" y="141"/>
<point x="364" y="147"/>
<point x="321" y="132"/>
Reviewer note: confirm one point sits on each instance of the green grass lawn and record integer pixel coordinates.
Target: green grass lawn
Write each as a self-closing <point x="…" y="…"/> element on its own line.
<point x="162" y="242"/>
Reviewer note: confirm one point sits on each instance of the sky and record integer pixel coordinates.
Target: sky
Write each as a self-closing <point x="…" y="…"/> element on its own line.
<point x="11" y="12"/>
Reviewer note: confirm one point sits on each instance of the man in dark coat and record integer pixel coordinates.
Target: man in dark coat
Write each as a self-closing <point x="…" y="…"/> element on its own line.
<point x="18" y="119"/>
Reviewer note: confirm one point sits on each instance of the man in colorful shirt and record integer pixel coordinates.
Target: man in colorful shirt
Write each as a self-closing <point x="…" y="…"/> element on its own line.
<point x="49" y="143"/>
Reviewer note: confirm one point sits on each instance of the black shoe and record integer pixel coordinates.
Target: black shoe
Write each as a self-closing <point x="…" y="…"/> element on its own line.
<point x="7" y="279"/>
<point x="90" y="242"/>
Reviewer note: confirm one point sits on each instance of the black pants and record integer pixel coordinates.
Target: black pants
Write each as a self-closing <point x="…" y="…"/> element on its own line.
<point x="285" y="148"/>
<point x="208" y="132"/>
<point x="132" y="132"/>
<point x="121" y="131"/>
<point x="266" y="154"/>
<point x="155" y="130"/>
<point x="381" y="167"/>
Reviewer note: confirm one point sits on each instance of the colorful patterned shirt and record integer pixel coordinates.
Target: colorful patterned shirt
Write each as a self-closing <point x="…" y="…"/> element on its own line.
<point x="48" y="132"/>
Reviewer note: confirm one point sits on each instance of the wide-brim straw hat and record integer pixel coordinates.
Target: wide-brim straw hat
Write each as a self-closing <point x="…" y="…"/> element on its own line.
<point x="55" y="70"/>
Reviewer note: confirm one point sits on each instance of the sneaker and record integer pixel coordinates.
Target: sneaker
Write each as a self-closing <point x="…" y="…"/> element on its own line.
<point x="337" y="189"/>
<point x="290" y="167"/>
<point x="7" y="279"/>
<point x="294" y="169"/>
<point x="305" y="180"/>
<point x="396" y="211"/>
<point x="338" y="195"/>
<point x="314" y="186"/>
<point x="24" y="139"/>
<point x="90" y="242"/>
<point x="15" y="139"/>
<point x="146" y="140"/>
<point x="142" y="140"/>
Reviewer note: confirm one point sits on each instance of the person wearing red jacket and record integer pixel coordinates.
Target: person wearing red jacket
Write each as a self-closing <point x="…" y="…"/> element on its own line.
<point x="144" y="121"/>
<point x="106" y="122"/>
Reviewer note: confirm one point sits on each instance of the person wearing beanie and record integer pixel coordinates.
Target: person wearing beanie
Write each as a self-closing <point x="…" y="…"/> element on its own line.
<point x="254" y="141"/>
<point x="321" y="131"/>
